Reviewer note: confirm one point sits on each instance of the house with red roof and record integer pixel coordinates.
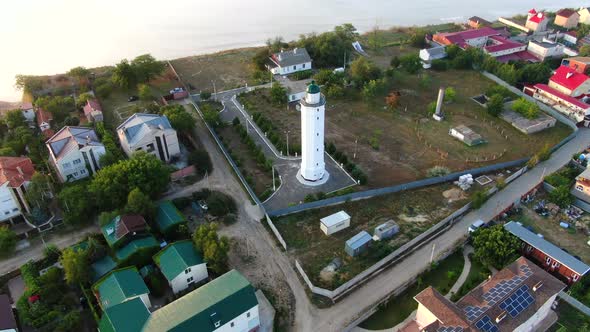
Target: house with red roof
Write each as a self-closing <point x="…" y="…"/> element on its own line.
<point x="517" y="298"/>
<point x="498" y="46"/>
<point x="93" y="111"/>
<point x="581" y="64"/>
<point x="74" y="153"/>
<point x="536" y="21"/>
<point x="44" y="120"/>
<point x="572" y="107"/>
<point x="468" y="38"/>
<point x="567" y="18"/>
<point x="570" y="82"/>
<point x="15" y="176"/>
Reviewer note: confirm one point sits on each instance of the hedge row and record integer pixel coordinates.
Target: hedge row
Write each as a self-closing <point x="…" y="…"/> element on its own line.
<point x="356" y="172"/>
<point x="274" y="135"/>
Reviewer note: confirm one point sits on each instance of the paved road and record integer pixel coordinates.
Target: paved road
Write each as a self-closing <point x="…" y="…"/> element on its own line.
<point x="35" y="251"/>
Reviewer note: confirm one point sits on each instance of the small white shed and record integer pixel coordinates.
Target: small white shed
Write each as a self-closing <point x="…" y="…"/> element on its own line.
<point x="334" y="223"/>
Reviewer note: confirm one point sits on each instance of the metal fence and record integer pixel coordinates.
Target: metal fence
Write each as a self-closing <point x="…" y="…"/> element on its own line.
<point x="394" y="189"/>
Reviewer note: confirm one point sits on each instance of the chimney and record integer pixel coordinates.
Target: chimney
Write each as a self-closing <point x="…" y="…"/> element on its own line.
<point x="537" y="286"/>
<point x="569" y="74"/>
<point x="20" y="170"/>
<point x="88" y="139"/>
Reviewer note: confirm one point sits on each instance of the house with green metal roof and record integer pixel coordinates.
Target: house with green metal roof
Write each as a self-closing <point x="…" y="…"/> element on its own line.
<point x="227" y="303"/>
<point x="168" y="217"/>
<point x="120" y="286"/>
<point x="182" y="265"/>
<point x="123" y="228"/>
<point x="148" y="243"/>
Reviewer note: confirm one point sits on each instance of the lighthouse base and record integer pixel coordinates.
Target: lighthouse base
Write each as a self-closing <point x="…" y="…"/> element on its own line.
<point x="316" y="183"/>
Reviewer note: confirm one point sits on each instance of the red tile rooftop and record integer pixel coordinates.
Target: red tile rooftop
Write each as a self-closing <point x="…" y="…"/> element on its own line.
<point x="562" y="96"/>
<point x="566" y="12"/>
<point x="568" y="78"/>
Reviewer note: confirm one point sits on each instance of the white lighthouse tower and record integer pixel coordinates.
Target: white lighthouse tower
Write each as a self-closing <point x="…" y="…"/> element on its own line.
<point x="313" y="168"/>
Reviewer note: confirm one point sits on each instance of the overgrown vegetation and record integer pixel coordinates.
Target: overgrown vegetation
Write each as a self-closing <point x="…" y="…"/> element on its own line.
<point x="494" y="246"/>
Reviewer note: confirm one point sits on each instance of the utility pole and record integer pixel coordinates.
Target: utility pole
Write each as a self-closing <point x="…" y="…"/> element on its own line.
<point x="274" y="188"/>
<point x="287" y="132"/>
<point x="214" y="90"/>
<point x="432" y="254"/>
<point x="355" y="143"/>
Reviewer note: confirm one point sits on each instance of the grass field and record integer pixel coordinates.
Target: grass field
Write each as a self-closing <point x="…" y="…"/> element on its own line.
<point x="477" y="274"/>
<point x="401" y="145"/>
<point x="228" y="69"/>
<point x="398" y="308"/>
<point x="570" y="318"/>
<point x="414" y="211"/>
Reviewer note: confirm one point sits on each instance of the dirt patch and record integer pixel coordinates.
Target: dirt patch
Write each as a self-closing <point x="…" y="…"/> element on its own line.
<point x="454" y="194"/>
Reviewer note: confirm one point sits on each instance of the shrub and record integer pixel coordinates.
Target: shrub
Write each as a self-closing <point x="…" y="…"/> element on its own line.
<point x="450" y="95"/>
<point x="220" y="204"/>
<point x="440" y="65"/>
<point x="201" y="160"/>
<point x="479" y="198"/>
<point x="205" y="95"/>
<point x="437" y="171"/>
<point x="495" y="104"/>
<point x="526" y="108"/>
<point x="182" y="202"/>
<point x="561" y="196"/>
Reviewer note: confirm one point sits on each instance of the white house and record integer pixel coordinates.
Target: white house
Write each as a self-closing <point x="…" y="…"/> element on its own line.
<point x="74" y="152"/>
<point x="335" y="222"/>
<point x="584" y="15"/>
<point x="570" y="82"/>
<point x="427" y="55"/>
<point x="544" y="50"/>
<point x="288" y="62"/>
<point x="28" y="112"/>
<point x="15" y="176"/>
<point x="151" y="133"/>
<point x="181" y="265"/>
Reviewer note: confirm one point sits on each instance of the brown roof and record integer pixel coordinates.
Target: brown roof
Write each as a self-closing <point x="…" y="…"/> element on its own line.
<point x="43" y="116"/>
<point x="566" y="12"/>
<point x="485" y="300"/>
<point x="128" y="224"/>
<point x="7" y="321"/>
<point x="15" y="170"/>
<point x="447" y="313"/>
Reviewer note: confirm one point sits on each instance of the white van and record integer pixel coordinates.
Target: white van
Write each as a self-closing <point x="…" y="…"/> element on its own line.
<point x="476" y="225"/>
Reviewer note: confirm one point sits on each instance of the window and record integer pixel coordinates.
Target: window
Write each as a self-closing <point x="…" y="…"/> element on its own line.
<point x="82" y="171"/>
<point x="75" y="174"/>
<point x="14" y="210"/>
<point x="232" y="324"/>
<point x="318" y="117"/>
<point x="187" y="270"/>
<point x="303" y="66"/>
<point x="317" y="134"/>
<point x="575" y="277"/>
<point x="548" y="260"/>
<point x="77" y="161"/>
<point x="6" y="212"/>
<point x="248" y="314"/>
<point x="294" y="67"/>
<point x="579" y="187"/>
<point x="189" y="280"/>
<point x="217" y="324"/>
<point x="66" y="165"/>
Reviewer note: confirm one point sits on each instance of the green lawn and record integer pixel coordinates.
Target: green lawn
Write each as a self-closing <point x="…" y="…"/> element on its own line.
<point x="400" y="307"/>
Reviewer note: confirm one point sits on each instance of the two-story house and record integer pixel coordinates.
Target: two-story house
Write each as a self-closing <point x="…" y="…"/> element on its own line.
<point x="536" y="21"/>
<point x="570" y="82"/>
<point x="289" y="62"/>
<point x="74" y="152"/>
<point x="182" y="265"/>
<point x="15" y="176"/>
<point x="151" y="133"/>
<point x="567" y="18"/>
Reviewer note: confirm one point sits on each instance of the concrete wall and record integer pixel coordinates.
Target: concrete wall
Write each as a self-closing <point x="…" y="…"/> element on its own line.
<point x="513" y="24"/>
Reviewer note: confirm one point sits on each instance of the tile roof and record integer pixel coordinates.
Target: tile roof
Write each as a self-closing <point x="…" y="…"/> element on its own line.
<point x="43" y="116"/>
<point x="139" y="125"/>
<point x="176" y="258"/>
<point x="71" y="138"/>
<point x="222" y="299"/>
<point x="502" y="294"/>
<point x="518" y="56"/>
<point x="92" y="105"/>
<point x="566" y="12"/>
<point x="136" y="245"/>
<point x="538" y="18"/>
<point x="119" y="286"/>
<point x="7" y="320"/>
<point x="15" y="170"/>
<point x="568" y="78"/>
<point x="460" y="38"/>
<point x="168" y="216"/>
<point x="293" y="57"/>
<point x="128" y="316"/>
<point x="547" y="247"/>
<point x="501" y="44"/>
<point x="562" y="96"/>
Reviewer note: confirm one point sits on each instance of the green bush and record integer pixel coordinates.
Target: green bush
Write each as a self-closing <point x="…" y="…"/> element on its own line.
<point x="526" y="108"/>
<point x="220" y="204"/>
<point x="201" y="160"/>
<point x="302" y="75"/>
<point x="479" y="198"/>
<point x="437" y="171"/>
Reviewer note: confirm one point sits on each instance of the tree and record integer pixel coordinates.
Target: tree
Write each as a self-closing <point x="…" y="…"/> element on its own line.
<point x="526" y="108"/>
<point x="39" y="191"/>
<point x="201" y="160"/>
<point x="278" y="94"/>
<point x="363" y="71"/>
<point x="7" y="241"/>
<point x="220" y="204"/>
<point x="14" y="119"/>
<point x="7" y="152"/>
<point x="75" y="264"/>
<point x="395" y="62"/>
<point x="535" y="73"/>
<point x="124" y="75"/>
<point x="371" y="89"/>
<point x="83" y="98"/>
<point x="28" y="84"/>
<point x="58" y="106"/>
<point x="495" y="105"/>
<point x="103" y="90"/>
<point x="328" y="49"/>
<point x="411" y="63"/>
<point x="561" y="196"/>
<point x="450" y="95"/>
<point x="205" y="95"/>
<point x="260" y="58"/>
<point x="479" y="198"/>
<point x="214" y="248"/>
<point x="140" y="203"/>
<point x="73" y="199"/>
<point x="106" y="217"/>
<point x="112" y="184"/>
<point x="69" y="322"/>
<point x="392" y="100"/>
<point x="584" y="50"/>
<point x="418" y="38"/>
<point x="495" y="246"/>
<point x="180" y="119"/>
<point x="144" y="92"/>
<point x="146" y="68"/>
<point x="79" y="73"/>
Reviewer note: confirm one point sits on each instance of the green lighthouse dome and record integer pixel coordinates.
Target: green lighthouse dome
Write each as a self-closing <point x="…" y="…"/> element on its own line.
<point x="313" y="88"/>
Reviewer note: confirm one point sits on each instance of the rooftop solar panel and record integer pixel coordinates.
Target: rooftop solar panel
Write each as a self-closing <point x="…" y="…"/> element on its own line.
<point x="485" y="324"/>
<point x="518" y="301"/>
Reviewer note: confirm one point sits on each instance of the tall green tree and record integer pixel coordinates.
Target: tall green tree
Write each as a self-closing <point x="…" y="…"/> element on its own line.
<point x="213" y="247"/>
<point x="146" y="68"/>
<point x="495" y="246"/>
<point x="73" y="200"/>
<point x="278" y="94"/>
<point x="124" y="75"/>
<point x="75" y="264"/>
<point x="7" y="241"/>
<point x="363" y="71"/>
<point x="39" y="191"/>
<point x="180" y="119"/>
<point x="144" y="92"/>
<point x="495" y="104"/>
<point x="140" y="203"/>
<point x="14" y="119"/>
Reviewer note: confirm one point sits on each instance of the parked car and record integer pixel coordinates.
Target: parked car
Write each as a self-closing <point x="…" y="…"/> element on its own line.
<point x="132" y="98"/>
<point x="203" y="205"/>
<point x="476" y="225"/>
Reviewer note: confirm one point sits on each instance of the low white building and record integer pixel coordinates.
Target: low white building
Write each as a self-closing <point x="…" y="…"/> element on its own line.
<point x="288" y="62"/>
<point x="28" y="112"/>
<point x="544" y="50"/>
<point x="181" y="265"/>
<point x="428" y="55"/>
<point x="75" y="152"/>
<point x="570" y="106"/>
<point x="151" y="133"/>
<point x="15" y="176"/>
<point x="335" y="222"/>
